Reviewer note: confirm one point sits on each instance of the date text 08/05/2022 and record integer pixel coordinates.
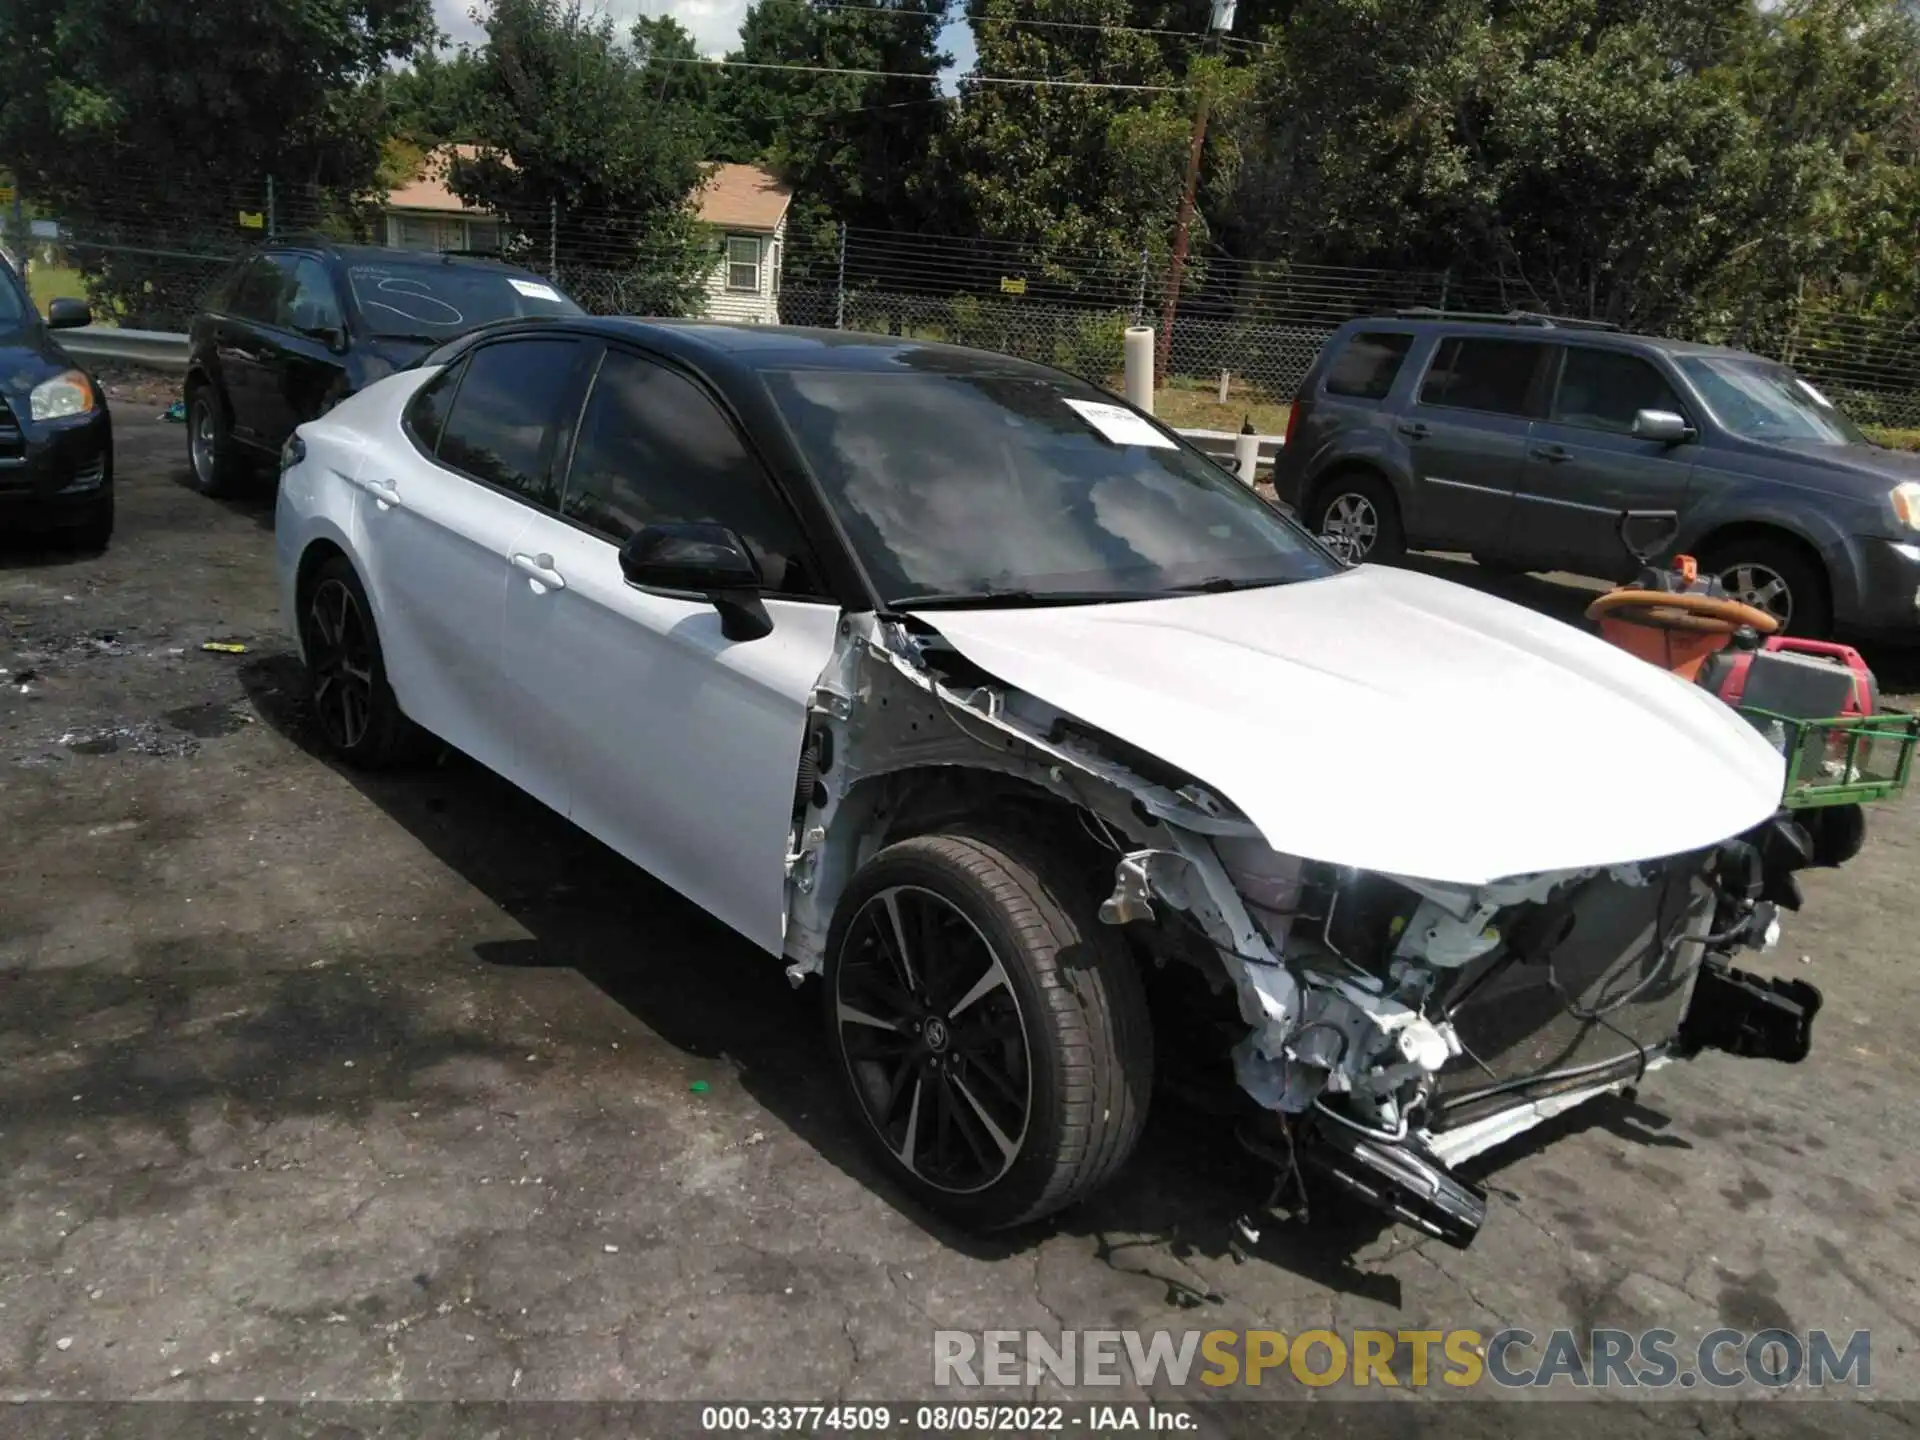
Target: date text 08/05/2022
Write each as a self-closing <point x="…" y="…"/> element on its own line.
<point x="960" y="1418"/>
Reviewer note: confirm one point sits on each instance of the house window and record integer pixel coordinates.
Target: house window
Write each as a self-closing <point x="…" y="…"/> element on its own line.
<point x="743" y="263"/>
<point x="428" y="232"/>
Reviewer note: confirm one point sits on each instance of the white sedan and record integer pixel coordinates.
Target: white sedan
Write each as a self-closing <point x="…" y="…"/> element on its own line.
<point x="1052" y="749"/>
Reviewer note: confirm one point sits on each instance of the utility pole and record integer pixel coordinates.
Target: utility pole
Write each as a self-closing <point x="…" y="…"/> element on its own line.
<point x="1220" y="20"/>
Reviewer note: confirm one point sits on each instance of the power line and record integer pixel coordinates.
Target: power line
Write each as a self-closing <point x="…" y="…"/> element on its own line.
<point x="1021" y="21"/>
<point x="910" y="74"/>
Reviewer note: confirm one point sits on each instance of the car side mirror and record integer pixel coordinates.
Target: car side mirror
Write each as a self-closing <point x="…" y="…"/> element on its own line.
<point x="68" y="314"/>
<point x="1663" y="426"/>
<point x="707" y="560"/>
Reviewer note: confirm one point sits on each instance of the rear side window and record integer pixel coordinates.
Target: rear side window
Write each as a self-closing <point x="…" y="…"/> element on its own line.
<point x="506" y="416"/>
<point x="427" y="415"/>
<point x="1605" y="389"/>
<point x="1367" y="365"/>
<point x="1493" y="376"/>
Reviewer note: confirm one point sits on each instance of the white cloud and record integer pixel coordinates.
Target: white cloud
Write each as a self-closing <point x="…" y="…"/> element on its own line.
<point x="714" y="24"/>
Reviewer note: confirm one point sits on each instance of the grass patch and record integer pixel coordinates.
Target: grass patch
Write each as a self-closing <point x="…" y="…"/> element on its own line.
<point x="1893" y="439"/>
<point x="1197" y="407"/>
<point x="48" y="283"/>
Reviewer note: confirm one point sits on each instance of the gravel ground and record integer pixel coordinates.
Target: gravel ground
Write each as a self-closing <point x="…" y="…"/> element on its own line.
<point x="327" y="1087"/>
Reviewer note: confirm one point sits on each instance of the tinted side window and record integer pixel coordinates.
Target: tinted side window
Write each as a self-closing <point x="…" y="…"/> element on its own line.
<point x="1367" y="365"/>
<point x="1469" y="373"/>
<point x="506" y="416"/>
<point x="256" y="290"/>
<point x="222" y="294"/>
<point x="313" y="303"/>
<point x="1604" y="389"/>
<point x="427" y="413"/>
<point x="653" y="449"/>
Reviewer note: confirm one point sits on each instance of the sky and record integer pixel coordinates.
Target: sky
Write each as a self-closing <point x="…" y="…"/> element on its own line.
<point x="714" y="25"/>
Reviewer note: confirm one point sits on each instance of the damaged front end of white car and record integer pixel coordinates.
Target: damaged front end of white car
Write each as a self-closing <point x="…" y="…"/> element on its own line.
<point x="1385" y="1026"/>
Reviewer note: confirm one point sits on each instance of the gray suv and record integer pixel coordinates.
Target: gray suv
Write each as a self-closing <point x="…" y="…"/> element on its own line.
<point x="1521" y="439"/>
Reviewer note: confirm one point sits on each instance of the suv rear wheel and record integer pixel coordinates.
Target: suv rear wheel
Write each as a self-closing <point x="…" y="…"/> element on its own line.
<point x="1357" y="517"/>
<point x="217" y="465"/>
<point x="992" y="1034"/>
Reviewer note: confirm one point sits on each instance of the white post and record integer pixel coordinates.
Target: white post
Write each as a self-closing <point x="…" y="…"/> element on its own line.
<point x="1246" y="452"/>
<point x="1139" y="348"/>
<point x="1223" y="387"/>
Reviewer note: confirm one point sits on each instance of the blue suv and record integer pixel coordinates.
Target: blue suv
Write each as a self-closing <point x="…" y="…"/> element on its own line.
<point x="1521" y="439"/>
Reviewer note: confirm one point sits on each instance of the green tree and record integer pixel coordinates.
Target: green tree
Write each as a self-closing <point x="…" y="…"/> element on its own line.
<point x="1667" y="164"/>
<point x="148" y="124"/>
<point x="855" y="147"/>
<point x="1084" y="177"/>
<point x="585" y="159"/>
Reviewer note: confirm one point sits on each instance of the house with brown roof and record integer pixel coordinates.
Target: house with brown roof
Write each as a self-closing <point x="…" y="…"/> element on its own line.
<point x="424" y="214"/>
<point x="745" y="206"/>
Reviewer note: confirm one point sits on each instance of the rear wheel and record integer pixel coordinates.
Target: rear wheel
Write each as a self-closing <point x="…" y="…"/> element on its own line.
<point x="347" y="675"/>
<point x="992" y="1034"/>
<point x="1776" y="576"/>
<point x="1356" y="516"/>
<point x="216" y="466"/>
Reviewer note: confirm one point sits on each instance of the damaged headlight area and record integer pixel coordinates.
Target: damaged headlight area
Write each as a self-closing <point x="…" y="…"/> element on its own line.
<point x="1412" y="1026"/>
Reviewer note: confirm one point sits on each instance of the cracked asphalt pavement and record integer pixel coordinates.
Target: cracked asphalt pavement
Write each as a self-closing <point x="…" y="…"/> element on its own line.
<point x="314" y="1085"/>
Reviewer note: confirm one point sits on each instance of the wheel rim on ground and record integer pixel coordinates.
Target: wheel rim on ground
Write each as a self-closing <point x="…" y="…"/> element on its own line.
<point x="201" y="441"/>
<point x="1760" y="586"/>
<point x="1350" y="526"/>
<point x="933" y="1039"/>
<point x="340" y="655"/>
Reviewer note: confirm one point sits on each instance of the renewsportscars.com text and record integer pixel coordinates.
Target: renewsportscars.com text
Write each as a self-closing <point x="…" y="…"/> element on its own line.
<point x="1510" y="1358"/>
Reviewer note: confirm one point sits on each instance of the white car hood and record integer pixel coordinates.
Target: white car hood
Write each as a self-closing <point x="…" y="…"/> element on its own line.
<point x="1395" y="722"/>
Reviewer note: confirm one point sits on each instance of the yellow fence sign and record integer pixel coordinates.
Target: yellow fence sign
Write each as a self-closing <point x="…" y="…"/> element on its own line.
<point x="1013" y="285"/>
<point x="252" y="220"/>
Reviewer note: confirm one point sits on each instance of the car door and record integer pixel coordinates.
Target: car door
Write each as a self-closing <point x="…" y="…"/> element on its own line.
<point x="1585" y="465"/>
<point x="680" y="747"/>
<point x="440" y="512"/>
<point x="241" y="343"/>
<point x="299" y="361"/>
<point x="1466" y="436"/>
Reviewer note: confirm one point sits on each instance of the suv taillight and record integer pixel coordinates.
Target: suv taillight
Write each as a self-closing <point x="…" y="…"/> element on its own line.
<point x="1293" y="420"/>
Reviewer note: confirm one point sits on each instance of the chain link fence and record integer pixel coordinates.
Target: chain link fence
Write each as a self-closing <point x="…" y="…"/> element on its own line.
<point x="146" y="255"/>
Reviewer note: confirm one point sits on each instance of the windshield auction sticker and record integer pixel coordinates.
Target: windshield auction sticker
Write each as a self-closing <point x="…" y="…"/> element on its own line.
<point x="1118" y="425"/>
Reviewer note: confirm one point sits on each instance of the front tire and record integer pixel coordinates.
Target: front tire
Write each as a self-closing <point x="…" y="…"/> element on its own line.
<point x="992" y="1034"/>
<point x="1357" y="517"/>
<point x="1776" y="576"/>
<point x="347" y="674"/>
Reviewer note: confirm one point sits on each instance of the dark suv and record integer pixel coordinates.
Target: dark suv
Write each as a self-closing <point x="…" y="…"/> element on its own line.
<point x="1521" y="439"/>
<point x="303" y="322"/>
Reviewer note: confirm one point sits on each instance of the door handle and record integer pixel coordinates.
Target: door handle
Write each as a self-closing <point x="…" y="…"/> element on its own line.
<point x="384" y="491"/>
<point x="540" y="567"/>
<point x="1552" y="454"/>
<point x="1413" y="429"/>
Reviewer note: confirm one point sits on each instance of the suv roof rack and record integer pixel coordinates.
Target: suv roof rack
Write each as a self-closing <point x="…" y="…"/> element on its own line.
<point x="1510" y="317"/>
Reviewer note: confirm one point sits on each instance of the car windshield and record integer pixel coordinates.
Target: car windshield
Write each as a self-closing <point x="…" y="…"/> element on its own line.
<point x="964" y="487"/>
<point x="1761" y="400"/>
<point x="437" y="300"/>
